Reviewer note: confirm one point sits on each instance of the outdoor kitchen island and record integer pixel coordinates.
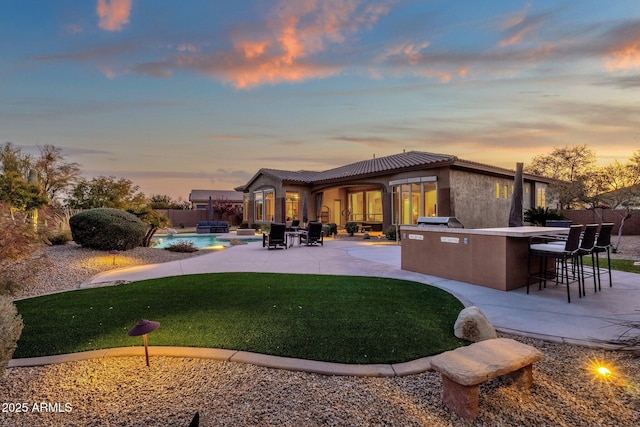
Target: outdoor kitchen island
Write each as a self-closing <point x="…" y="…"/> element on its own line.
<point x="491" y="257"/>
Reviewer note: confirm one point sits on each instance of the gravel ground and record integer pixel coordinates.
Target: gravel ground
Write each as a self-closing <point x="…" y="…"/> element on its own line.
<point x="124" y="392"/>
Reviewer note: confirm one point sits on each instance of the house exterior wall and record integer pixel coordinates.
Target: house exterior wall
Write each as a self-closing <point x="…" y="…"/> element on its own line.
<point x="468" y="195"/>
<point x="476" y="202"/>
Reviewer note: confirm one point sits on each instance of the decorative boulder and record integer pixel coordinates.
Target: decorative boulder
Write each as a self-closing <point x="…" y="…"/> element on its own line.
<point x="472" y="325"/>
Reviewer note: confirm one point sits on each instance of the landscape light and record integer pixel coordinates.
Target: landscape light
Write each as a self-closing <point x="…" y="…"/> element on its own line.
<point x="143" y="328"/>
<point x="603" y="371"/>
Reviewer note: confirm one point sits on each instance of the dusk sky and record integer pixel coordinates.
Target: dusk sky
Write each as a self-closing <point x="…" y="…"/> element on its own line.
<point x="181" y="95"/>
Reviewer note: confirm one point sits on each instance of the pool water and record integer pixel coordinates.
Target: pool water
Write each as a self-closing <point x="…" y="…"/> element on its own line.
<point x="199" y="241"/>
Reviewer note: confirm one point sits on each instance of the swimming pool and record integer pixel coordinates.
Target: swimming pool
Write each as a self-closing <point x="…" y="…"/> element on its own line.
<point x="200" y="241"/>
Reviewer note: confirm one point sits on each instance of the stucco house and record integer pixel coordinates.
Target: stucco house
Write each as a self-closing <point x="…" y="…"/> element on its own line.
<point x="395" y="189"/>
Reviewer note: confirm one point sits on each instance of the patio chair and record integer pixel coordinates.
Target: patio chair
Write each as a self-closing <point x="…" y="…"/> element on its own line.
<point x="314" y="234"/>
<point x="295" y="225"/>
<point x="587" y="244"/>
<point x="603" y="244"/>
<point x="560" y="253"/>
<point x="276" y="236"/>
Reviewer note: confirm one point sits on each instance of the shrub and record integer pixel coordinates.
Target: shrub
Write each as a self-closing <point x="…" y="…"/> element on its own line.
<point x="18" y="243"/>
<point x="391" y="233"/>
<point x="256" y="226"/>
<point x="540" y="215"/>
<point x="185" y="246"/>
<point x="244" y="225"/>
<point x="333" y="228"/>
<point x="10" y="330"/>
<point x="351" y="227"/>
<point x="107" y="229"/>
<point x="59" y="238"/>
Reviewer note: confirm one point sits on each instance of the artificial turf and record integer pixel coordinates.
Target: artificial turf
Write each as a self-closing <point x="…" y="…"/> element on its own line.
<point x="348" y="319"/>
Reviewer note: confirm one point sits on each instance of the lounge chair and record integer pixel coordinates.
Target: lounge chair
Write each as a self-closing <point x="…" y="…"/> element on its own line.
<point x="276" y="236"/>
<point x="314" y="234"/>
<point x="204" y="227"/>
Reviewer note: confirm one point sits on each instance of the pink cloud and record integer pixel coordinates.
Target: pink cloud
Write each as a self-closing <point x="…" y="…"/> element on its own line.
<point x="285" y="49"/>
<point x="625" y="57"/>
<point x="518" y="26"/>
<point x="113" y="14"/>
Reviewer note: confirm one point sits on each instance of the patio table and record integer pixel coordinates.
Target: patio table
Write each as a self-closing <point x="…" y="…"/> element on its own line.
<point x="291" y="235"/>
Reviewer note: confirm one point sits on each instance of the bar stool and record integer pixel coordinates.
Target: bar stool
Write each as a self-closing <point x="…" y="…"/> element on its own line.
<point x="587" y="245"/>
<point x="603" y="244"/>
<point x="560" y="253"/>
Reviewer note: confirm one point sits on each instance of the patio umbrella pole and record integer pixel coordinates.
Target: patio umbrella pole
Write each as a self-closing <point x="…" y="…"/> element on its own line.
<point x="146" y="348"/>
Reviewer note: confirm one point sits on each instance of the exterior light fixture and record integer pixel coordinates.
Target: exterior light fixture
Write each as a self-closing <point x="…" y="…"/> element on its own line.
<point x="114" y="253"/>
<point x="603" y="371"/>
<point x="143" y="328"/>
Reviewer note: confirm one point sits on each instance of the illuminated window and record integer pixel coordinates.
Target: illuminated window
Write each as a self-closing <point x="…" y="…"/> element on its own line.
<point x="258" y="206"/>
<point x="540" y="197"/>
<point x="269" y="205"/>
<point x="373" y="205"/>
<point x="245" y="206"/>
<point x="291" y="205"/>
<point x="264" y="205"/>
<point x="506" y="191"/>
<point x="430" y="200"/>
<point x="497" y="190"/>
<point x="412" y="198"/>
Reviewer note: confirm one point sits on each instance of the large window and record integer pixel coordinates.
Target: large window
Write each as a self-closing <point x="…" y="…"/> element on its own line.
<point x="258" y="206"/>
<point x="356" y="211"/>
<point x="373" y="205"/>
<point x="264" y="205"/>
<point x="365" y="206"/>
<point x="269" y="205"/>
<point x="291" y="205"/>
<point x="540" y="197"/>
<point x="413" y="198"/>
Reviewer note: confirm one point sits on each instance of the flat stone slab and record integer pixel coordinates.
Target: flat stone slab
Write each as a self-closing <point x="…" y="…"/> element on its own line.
<point x="484" y="360"/>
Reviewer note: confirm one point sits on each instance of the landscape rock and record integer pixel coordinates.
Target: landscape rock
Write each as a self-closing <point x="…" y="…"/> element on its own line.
<point x="473" y="325"/>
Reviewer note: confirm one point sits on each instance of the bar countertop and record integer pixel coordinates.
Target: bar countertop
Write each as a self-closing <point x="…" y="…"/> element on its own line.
<point x="522" y="232"/>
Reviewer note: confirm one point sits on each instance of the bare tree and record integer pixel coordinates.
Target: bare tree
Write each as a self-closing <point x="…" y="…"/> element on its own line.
<point x="571" y="166"/>
<point x="616" y="187"/>
<point x="56" y="175"/>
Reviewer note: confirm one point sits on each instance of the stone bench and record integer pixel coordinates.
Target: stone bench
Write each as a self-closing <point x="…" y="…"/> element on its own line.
<point x="245" y="232"/>
<point x="465" y="368"/>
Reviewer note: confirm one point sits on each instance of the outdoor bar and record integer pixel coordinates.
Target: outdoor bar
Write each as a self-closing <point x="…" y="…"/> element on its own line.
<point x="491" y="257"/>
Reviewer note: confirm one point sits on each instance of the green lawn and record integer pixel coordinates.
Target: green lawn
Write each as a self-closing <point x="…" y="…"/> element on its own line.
<point x="616" y="264"/>
<point x="330" y="318"/>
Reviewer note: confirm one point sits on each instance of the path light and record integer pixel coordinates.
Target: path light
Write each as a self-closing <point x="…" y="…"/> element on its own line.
<point x="114" y="253"/>
<point x="603" y="371"/>
<point x="143" y="328"/>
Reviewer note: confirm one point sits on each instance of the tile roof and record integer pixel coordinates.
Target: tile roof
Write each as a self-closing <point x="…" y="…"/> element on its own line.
<point x="385" y="164"/>
<point x="364" y="167"/>
<point x="379" y="165"/>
